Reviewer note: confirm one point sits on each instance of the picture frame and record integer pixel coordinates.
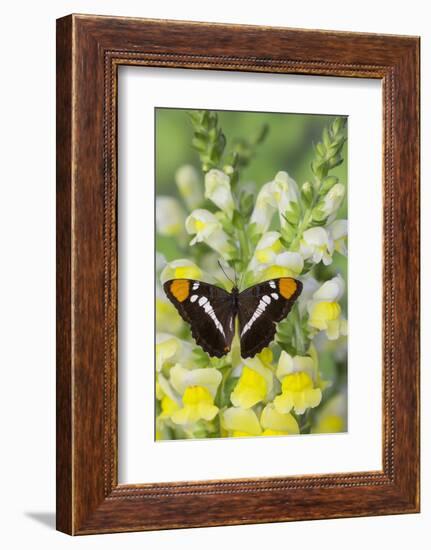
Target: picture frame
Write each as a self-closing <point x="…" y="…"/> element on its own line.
<point x="89" y="51"/>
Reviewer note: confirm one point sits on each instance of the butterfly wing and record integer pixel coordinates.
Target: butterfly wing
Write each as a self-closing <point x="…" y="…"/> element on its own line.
<point x="260" y="308"/>
<point x="209" y="311"/>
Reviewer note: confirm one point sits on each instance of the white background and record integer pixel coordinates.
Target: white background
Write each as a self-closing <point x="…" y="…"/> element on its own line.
<point x="141" y="458"/>
<point x="27" y="122"/>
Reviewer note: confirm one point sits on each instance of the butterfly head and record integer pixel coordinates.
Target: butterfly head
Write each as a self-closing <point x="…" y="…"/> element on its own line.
<point x="235" y="282"/>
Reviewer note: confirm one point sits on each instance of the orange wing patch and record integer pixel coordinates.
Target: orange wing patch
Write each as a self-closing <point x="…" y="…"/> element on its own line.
<point x="180" y="288"/>
<point x="287" y="287"/>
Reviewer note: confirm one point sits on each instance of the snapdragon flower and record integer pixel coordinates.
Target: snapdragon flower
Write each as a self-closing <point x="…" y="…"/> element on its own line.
<point x="317" y="245"/>
<point x="332" y="200"/>
<point x="332" y="417"/>
<point x="170" y="217"/>
<point x="170" y="349"/>
<point x="338" y="232"/>
<point x="325" y="311"/>
<point x="197" y="404"/>
<point x="276" y="195"/>
<point x="297" y="393"/>
<point x="208" y="229"/>
<point x="275" y="423"/>
<point x="181" y="378"/>
<point x="218" y="190"/>
<point x="240" y="422"/>
<point x="181" y="269"/>
<point x="189" y="186"/>
<point x="271" y="260"/>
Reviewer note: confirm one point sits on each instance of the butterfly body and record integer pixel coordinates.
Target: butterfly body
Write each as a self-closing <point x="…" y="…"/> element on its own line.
<point x="211" y="312"/>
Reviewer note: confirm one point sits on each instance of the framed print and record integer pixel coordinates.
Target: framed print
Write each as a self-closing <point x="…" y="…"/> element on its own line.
<point x="237" y="274"/>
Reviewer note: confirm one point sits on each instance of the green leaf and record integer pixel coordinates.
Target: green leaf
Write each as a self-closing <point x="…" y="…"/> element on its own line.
<point x="326" y="138"/>
<point x="318" y="214"/>
<point x="327" y="184"/>
<point x="291" y="216"/>
<point x="237" y="220"/>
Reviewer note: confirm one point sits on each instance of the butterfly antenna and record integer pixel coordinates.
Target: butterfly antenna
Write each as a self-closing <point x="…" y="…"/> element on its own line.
<point x="226" y="275"/>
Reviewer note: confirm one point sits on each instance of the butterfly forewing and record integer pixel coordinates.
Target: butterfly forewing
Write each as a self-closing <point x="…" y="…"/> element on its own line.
<point x="260" y="308"/>
<point x="209" y="311"/>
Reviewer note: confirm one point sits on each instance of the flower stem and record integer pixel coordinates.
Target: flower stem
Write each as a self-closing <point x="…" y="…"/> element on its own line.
<point x="299" y="337"/>
<point x="244" y="247"/>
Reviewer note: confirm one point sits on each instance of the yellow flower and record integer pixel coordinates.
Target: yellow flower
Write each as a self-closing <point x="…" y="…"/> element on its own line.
<point x="324" y="310"/>
<point x="181" y="269"/>
<point x="332" y="417"/>
<point x="266" y="356"/>
<point x="254" y="385"/>
<point x="167" y="349"/>
<point x="165" y="394"/>
<point x="168" y="319"/>
<point x="298" y="393"/>
<point x="250" y="389"/>
<point x="288" y="364"/>
<point x="323" y="313"/>
<point x="240" y="422"/>
<point x="276" y="423"/>
<point x="198" y="404"/>
<point x="169" y="406"/>
<point x="182" y="378"/>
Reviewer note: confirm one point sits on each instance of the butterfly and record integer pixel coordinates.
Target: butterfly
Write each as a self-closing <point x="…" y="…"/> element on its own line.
<point x="211" y="312"/>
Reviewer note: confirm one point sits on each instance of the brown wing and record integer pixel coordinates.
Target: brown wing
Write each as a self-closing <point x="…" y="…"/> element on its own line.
<point x="261" y="307"/>
<point x="208" y="310"/>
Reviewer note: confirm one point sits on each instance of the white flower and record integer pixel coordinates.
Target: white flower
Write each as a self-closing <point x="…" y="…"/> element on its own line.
<point x="325" y="311"/>
<point x="317" y="245"/>
<point x="169" y="216"/>
<point x="338" y="232"/>
<point x="331" y="290"/>
<point x="270" y="259"/>
<point x="207" y="228"/>
<point x="189" y="186"/>
<point x="274" y="195"/>
<point x="309" y="287"/>
<point x="217" y="190"/>
<point x="333" y="199"/>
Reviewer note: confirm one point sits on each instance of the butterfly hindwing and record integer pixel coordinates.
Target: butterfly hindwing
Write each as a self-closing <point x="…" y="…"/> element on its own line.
<point x="260" y="308"/>
<point x="208" y="310"/>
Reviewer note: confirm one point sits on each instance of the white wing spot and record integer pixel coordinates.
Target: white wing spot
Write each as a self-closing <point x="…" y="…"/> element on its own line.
<point x="195" y="285"/>
<point x="194" y="298"/>
<point x="274" y="295"/>
<point x="259" y="310"/>
<point x="203" y="302"/>
<point x="272" y="284"/>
